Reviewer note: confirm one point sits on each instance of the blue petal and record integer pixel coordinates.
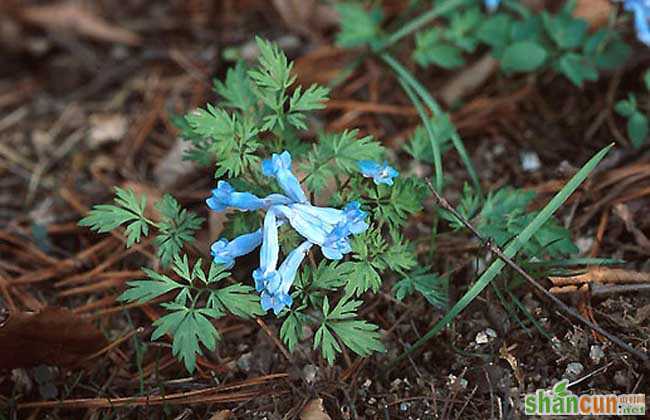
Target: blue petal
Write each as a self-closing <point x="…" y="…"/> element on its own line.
<point x="267" y="281"/>
<point x="224" y="196"/>
<point x="327" y="215"/>
<point x="225" y="252"/>
<point x="641" y="14"/>
<point x="270" y="167"/>
<point x="492" y="5"/>
<point x="266" y="301"/>
<point x="221" y="254"/>
<point x="276" y="199"/>
<point x="270" y="246"/>
<point x="334" y="252"/>
<point x="337" y="243"/>
<point x="356" y="218"/>
<point x="276" y="302"/>
<point x="309" y="227"/>
<point x="368" y="168"/>
<point x="279" y="167"/>
<point x="380" y="173"/>
<point x="289" y="266"/>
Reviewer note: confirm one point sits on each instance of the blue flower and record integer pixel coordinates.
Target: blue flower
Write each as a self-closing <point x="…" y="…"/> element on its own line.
<point x="276" y="302"/>
<point x="492" y="5"/>
<point x="355" y="217"/>
<point x="225" y="252"/>
<point x="266" y="275"/>
<point x="279" y="167"/>
<point x="327" y="227"/>
<point x="337" y="244"/>
<point x="641" y="10"/>
<point x="380" y="173"/>
<point x="277" y="297"/>
<point x="225" y="196"/>
<point x="307" y="225"/>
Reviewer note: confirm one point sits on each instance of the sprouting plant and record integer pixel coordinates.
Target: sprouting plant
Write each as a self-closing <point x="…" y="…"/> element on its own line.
<point x="537" y="41"/>
<point x="636" y="114"/>
<point x="520" y="39"/>
<point x="504" y="214"/>
<point x="327" y="226"/>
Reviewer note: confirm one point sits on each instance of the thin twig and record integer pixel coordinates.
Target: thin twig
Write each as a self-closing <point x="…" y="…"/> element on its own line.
<point x="274" y="338"/>
<point x="564" y="307"/>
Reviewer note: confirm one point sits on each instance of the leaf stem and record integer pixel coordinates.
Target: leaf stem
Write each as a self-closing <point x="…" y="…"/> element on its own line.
<point x="426" y="121"/>
<point x="435" y="109"/>
<point x="421" y="21"/>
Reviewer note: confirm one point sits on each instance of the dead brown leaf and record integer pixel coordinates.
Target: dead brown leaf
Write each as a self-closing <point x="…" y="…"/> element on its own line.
<point x="105" y="128"/>
<point x="221" y="415"/>
<point x="51" y="336"/>
<point x="314" y="410"/>
<point x="295" y="13"/>
<point x="170" y="169"/>
<point x="596" y="12"/>
<point x="73" y="17"/>
<point x="624" y="213"/>
<point x="306" y="15"/>
<point x="468" y="80"/>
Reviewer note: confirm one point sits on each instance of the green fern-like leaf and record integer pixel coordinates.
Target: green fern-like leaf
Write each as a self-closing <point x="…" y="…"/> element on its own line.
<point x="359" y="336"/>
<point x="236" y="89"/>
<point x="145" y="290"/>
<point x="337" y="153"/>
<point x="177" y="227"/>
<point x="358" y="26"/>
<point x="291" y="331"/>
<point x="129" y="210"/>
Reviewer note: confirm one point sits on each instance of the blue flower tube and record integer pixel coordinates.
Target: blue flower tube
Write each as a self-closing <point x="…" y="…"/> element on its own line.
<point x="279" y="167"/>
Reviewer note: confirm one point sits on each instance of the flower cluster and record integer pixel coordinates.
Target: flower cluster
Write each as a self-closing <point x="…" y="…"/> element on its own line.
<point x="325" y="227"/>
<point x="641" y="10"/>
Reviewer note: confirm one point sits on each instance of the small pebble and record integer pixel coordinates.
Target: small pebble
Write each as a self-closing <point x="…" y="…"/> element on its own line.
<point x="573" y="370"/>
<point x="596" y="354"/>
<point x="310" y="372"/>
<point x="452" y="380"/>
<point x="584" y="244"/>
<point x="621" y="379"/>
<point x="485" y="336"/>
<point x="244" y="362"/>
<point x="530" y="161"/>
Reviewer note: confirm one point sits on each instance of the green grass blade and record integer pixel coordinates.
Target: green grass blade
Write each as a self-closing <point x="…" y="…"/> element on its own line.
<point x="510" y="251"/>
<point x="431" y="103"/>
<point x="570" y="262"/>
<point x="426" y="121"/>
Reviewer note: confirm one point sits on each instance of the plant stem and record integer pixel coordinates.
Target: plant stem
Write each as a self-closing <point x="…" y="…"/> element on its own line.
<point x="421" y="21"/>
<point x="426" y="121"/>
<point x="435" y="109"/>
